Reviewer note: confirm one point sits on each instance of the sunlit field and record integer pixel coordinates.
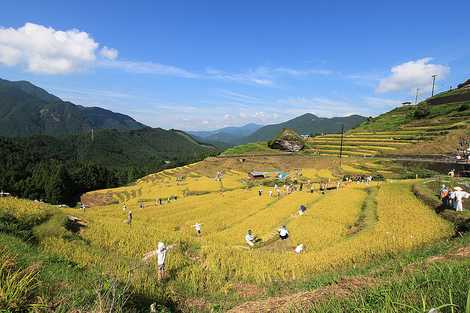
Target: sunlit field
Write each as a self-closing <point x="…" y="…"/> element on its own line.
<point x="353" y="224"/>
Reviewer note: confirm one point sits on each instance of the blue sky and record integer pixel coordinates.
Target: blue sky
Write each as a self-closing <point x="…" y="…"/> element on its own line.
<point x="208" y="64"/>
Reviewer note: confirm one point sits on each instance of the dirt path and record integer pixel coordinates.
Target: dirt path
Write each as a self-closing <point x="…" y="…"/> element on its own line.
<point x="307" y="299"/>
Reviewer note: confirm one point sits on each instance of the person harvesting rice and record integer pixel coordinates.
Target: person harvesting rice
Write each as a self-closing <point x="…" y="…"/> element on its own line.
<point x="283" y="233"/>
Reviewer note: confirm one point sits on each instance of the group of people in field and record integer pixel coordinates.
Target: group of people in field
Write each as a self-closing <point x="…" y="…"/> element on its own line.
<point x="162" y="201"/>
<point x="250" y="238"/>
<point x="358" y="179"/>
<point x="452" y="198"/>
<point x="283" y="233"/>
<point x="289" y="188"/>
<point x="463" y="150"/>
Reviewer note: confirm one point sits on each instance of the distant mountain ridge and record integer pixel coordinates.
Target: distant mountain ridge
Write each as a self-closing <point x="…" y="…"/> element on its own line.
<point x="306" y="124"/>
<point x="26" y="110"/>
<point x="227" y="135"/>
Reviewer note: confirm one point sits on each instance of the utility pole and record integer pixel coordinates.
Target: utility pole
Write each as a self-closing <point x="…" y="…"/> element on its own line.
<point x="416" y="99"/>
<point x="433" y="82"/>
<point x="341" y="146"/>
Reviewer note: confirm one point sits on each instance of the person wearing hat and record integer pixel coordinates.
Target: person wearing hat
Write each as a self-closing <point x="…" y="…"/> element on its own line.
<point x="457" y="196"/>
<point x="444" y="194"/>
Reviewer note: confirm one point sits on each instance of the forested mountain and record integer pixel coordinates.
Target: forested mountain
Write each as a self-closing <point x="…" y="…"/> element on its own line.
<point x="58" y="169"/>
<point x="227" y="135"/>
<point x="306" y="124"/>
<point x="26" y="110"/>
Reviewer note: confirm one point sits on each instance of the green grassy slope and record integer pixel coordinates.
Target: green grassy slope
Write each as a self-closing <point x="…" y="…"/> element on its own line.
<point x="433" y="126"/>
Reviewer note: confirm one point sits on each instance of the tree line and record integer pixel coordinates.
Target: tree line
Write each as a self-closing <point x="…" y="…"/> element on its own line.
<point x="56" y="171"/>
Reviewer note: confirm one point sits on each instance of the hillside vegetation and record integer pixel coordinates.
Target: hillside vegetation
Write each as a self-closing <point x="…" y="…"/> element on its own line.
<point x="433" y="127"/>
<point x="59" y="169"/>
<point x="306" y="124"/>
<point x="26" y="110"/>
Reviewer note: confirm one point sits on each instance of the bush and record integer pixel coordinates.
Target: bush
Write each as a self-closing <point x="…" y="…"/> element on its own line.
<point x="421" y="112"/>
<point x="464" y="107"/>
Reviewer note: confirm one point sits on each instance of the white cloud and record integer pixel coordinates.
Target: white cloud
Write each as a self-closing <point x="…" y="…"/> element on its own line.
<point x="411" y="75"/>
<point x="148" y="68"/>
<point x="303" y="72"/>
<point x="109" y="53"/>
<point x="45" y="50"/>
<point x="247" y="77"/>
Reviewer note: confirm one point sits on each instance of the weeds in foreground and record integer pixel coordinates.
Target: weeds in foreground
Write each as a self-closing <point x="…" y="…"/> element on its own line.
<point x="17" y="286"/>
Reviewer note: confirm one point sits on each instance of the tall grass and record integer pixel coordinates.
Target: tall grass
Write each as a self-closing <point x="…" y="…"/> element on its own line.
<point x="17" y="286"/>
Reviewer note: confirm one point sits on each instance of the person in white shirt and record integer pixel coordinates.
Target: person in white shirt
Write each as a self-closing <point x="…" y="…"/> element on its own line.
<point x="270" y="193"/>
<point x="283" y="233"/>
<point x="197" y="227"/>
<point x="160" y="253"/>
<point x="457" y="197"/>
<point x="249" y="238"/>
<point x="299" y="249"/>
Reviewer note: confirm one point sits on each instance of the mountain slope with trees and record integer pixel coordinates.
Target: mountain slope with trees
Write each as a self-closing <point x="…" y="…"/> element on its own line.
<point x="26" y="110"/>
<point x="306" y="124"/>
<point x="58" y="169"/>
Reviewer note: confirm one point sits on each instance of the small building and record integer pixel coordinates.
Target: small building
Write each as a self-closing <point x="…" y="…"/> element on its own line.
<point x="4" y="194"/>
<point x="257" y="175"/>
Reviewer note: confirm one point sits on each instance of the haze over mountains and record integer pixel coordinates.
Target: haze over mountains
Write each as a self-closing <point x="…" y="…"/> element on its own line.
<point x="305" y="124"/>
<point x="227" y="135"/>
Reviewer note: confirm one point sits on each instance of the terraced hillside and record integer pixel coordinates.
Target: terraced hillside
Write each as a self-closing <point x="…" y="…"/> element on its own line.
<point x="217" y="268"/>
<point x="423" y="129"/>
<point x="333" y="231"/>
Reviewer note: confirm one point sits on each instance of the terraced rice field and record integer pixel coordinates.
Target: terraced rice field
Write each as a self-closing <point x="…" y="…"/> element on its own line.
<point x="353" y="224"/>
<point x="362" y="143"/>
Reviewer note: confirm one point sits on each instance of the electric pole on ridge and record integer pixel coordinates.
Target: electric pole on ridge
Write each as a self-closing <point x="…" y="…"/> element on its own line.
<point x="341" y="145"/>
<point x="416" y="99"/>
<point x="433" y="82"/>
